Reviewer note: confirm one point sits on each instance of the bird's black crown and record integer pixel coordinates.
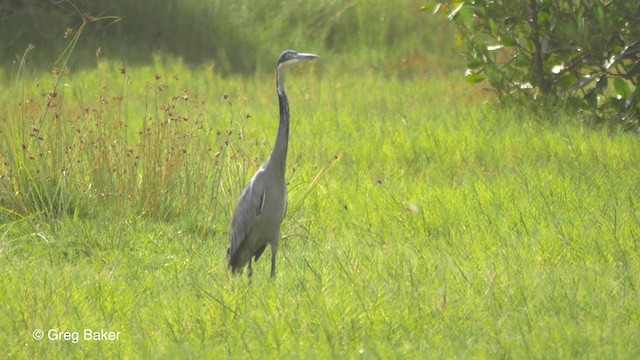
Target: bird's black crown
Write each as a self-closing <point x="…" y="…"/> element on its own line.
<point x="287" y="55"/>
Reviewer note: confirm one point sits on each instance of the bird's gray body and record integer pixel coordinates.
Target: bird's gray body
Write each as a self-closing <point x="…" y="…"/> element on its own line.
<point x="257" y="218"/>
<point x="263" y="203"/>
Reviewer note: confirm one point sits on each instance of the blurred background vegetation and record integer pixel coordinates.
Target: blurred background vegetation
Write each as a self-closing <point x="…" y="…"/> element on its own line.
<point x="584" y="54"/>
<point x="558" y="62"/>
<point x="239" y="37"/>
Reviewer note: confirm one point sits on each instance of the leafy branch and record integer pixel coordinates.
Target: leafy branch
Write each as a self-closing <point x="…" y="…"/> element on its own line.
<point x="563" y="50"/>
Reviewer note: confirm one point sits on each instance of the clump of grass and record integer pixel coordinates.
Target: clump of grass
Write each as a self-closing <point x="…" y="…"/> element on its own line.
<point x="86" y="144"/>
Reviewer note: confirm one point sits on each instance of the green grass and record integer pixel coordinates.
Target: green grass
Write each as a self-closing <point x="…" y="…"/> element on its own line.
<point x="240" y="37"/>
<point x="439" y="226"/>
<point x="424" y="219"/>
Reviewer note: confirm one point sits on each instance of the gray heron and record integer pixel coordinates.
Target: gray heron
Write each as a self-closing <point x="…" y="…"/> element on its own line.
<point x="261" y="208"/>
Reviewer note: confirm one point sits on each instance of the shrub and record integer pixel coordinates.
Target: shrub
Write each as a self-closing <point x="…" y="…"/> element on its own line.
<point x="586" y="52"/>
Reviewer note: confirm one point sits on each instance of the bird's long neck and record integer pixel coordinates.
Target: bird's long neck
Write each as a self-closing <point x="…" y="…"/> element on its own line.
<point x="278" y="159"/>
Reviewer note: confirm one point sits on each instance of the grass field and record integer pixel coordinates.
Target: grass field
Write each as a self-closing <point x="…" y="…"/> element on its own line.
<point x="425" y="220"/>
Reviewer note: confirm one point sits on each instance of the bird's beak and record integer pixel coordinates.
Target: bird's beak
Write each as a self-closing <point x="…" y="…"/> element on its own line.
<point x="303" y="56"/>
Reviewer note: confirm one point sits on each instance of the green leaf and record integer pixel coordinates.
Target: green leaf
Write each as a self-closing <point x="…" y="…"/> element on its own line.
<point x="567" y="81"/>
<point x="493" y="75"/>
<point x="475" y="78"/>
<point x="457" y="7"/>
<point x="507" y="42"/>
<point x="475" y="64"/>
<point x="622" y="88"/>
<point x="584" y="81"/>
<point x="431" y="6"/>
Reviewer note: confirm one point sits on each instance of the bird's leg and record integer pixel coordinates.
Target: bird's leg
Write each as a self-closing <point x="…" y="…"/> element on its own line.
<point x="274" y="251"/>
<point x="250" y="272"/>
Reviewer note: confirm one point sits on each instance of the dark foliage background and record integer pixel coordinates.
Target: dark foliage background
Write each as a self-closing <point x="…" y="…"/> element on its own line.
<point x="585" y="53"/>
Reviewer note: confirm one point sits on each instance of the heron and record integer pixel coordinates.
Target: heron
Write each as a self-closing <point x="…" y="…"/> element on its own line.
<point x="262" y="206"/>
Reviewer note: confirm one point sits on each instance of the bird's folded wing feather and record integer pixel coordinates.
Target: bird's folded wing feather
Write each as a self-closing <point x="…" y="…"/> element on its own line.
<point x="249" y="207"/>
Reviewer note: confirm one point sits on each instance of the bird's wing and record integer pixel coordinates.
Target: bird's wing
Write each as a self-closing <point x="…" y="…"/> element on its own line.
<point x="286" y="208"/>
<point x="249" y="206"/>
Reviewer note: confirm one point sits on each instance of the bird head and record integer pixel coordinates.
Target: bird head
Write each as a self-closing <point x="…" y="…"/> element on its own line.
<point x="289" y="57"/>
